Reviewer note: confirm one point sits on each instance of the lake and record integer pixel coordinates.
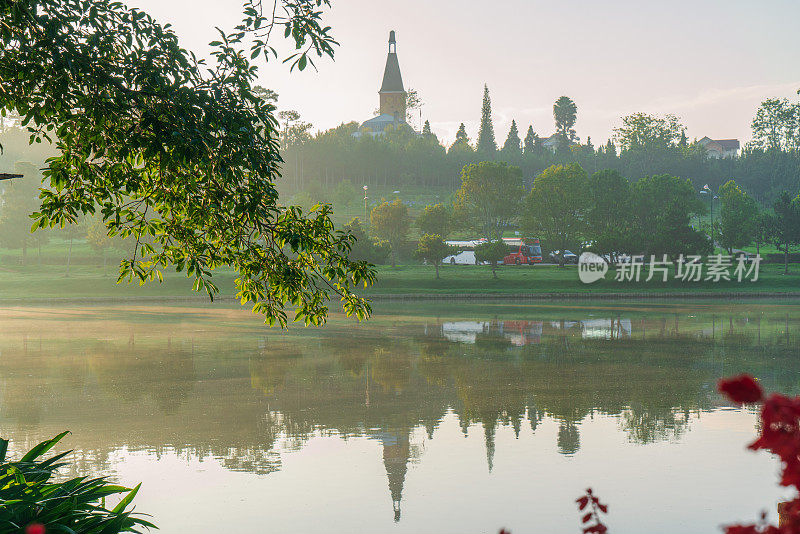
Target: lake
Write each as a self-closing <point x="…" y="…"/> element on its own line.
<point x="431" y="417"/>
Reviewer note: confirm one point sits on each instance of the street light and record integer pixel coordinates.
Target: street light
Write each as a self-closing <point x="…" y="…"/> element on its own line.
<point x="712" y="197"/>
<point x="365" y="204"/>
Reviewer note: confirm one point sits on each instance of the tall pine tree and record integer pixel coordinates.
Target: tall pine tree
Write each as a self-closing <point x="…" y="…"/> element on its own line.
<point x="512" y="144"/>
<point x="426" y="130"/>
<point x="462" y="140"/>
<point x="461" y="134"/>
<point x="530" y="141"/>
<point x="486" y="142"/>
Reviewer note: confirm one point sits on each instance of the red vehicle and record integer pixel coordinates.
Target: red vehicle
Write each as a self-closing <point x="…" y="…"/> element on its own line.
<point x="522" y="251"/>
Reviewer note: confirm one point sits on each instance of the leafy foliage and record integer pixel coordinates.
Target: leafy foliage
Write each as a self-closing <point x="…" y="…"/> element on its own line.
<point x="391" y="221"/>
<point x="366" y="248"/>
<point x="435" y="220"/>
<point x="608" y="217"/>
<point x="565" y="113"/>
<point x="776" y="125"/>
<point x="641" y="131"/>
<point x="785" y="225"/>
<point x="492" y="252"/>
<point x="779" y="434"/>
<point x="433" y="249"/>
<point x="165" y="146"/>
<point x="662" y="209"/>
<point x="489" y="197"/>
<point x="555" y="207"/>
<point x="739" y="216"/>
<point x="30" y="497"/>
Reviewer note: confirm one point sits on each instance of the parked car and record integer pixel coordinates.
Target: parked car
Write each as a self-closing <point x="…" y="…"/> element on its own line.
<point x="569" y="257"/>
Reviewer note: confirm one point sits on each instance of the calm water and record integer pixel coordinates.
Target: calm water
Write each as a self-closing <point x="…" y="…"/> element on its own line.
<point x="429" y="418"/>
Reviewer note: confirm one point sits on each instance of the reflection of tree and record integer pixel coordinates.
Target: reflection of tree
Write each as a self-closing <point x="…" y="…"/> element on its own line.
<point x="569" y="439"/>
<point x="243" y="399"/>
<point x="650" y="426"/>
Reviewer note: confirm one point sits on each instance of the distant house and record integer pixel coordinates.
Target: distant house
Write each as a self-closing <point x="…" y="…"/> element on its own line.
<point x="553" y="142"/>
<point x="720" y="148"/>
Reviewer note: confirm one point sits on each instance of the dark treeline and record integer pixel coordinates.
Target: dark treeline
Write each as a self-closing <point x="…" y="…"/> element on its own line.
<point x="644" y="145"/>
<point x="401" y="159"/>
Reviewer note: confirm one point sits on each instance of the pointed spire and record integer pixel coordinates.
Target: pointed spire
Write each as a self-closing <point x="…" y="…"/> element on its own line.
<point x="396" y="453"/>
<point x="392" y="79"/>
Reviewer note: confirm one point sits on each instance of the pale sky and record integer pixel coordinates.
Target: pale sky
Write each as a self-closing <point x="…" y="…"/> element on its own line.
<point x="710" y="62"/>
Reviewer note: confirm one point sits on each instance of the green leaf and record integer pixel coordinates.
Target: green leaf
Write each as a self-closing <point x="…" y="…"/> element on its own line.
<point x="119" y="508"/>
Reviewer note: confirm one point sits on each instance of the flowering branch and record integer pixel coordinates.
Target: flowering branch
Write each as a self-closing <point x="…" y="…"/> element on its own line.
<point x="592" y="515"/>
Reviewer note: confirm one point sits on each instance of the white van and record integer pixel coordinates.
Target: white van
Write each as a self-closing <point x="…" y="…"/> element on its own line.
<point x="465" y="254"/>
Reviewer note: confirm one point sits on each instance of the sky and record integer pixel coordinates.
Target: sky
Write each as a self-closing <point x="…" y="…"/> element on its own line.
<point x="710" y="62"/>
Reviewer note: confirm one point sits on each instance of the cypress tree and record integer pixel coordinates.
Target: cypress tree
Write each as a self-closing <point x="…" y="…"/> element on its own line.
<point x="461" y="134"/>
<point x="426" y="130"/>
<point x="530" y="141"/>
<point x="512" y="144"/>
<point x="462" y="140"/>
<point x="683" y="142"/>
<point x="486" y="142"/>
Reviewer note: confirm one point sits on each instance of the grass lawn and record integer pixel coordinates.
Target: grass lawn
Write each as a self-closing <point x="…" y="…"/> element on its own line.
<point x="551" y="279"/>
<point x="46" y="278"/>
<point x="49" y="281"/>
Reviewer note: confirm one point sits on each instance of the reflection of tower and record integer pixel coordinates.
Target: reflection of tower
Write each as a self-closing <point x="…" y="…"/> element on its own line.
<point x="396" y="453"/>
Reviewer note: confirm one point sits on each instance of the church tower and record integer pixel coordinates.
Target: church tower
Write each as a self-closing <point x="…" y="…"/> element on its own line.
<point x="392" y="93"/>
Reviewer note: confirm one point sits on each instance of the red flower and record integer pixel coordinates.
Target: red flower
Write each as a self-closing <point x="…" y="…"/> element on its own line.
<point x="741" y="389"/>
<point x="35" y="528"/>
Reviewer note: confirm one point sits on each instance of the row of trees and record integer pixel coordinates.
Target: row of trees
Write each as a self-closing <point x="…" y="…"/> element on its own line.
<point x="567" y="208"/>
<point x="643" y="144"/>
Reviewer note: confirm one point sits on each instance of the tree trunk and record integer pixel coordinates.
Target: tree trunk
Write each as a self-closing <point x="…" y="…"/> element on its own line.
<point x="494" y="272"/>
<point x="786" y="260"/>
<point x="436" y="263"/>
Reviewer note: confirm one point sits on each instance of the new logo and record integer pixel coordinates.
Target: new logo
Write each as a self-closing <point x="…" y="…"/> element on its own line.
<point x="591" y="267"/>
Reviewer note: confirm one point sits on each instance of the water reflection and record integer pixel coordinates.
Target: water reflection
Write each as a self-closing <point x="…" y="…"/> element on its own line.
<point x="215" y="384"/>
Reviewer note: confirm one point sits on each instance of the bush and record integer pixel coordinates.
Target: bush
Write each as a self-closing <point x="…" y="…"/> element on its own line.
<point x="30" y="501"/>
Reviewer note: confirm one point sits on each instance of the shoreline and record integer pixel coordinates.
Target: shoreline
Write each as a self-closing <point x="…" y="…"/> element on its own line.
<point x="389" y="297"/>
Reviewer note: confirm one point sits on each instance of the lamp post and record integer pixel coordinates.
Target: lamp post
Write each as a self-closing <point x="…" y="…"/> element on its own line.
<point x="711" y="197"/>
<point x="365" y="204"/>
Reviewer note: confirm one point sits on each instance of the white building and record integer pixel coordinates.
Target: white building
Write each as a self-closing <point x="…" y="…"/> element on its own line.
<point x="720" y="148"/>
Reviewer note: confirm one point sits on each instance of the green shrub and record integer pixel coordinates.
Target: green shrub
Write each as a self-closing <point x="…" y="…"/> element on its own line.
<point x="76" y="506"/>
